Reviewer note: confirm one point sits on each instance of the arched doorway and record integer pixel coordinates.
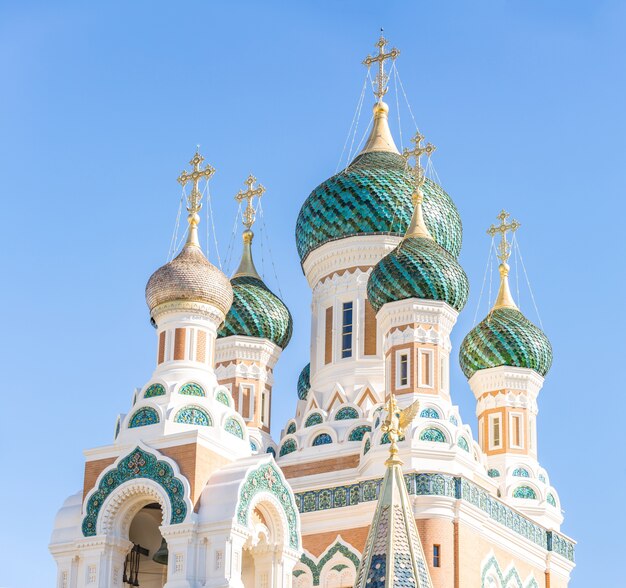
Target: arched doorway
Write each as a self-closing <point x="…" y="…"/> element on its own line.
<point x="140" y="567"/>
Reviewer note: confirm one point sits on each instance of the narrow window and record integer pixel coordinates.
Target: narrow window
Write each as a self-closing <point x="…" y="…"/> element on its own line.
<point x="436" y="556"/>
<point x="263" y="407"/>
<point x="346" y="330"/>
<point x="246" y="400"/>
<point x="516" y="431"/>
<point x="425" y="368"/>
<point x="179" y="344"/>
<point x="328" y="336"/>
<point x="161" y="347"/>
<point x="404" y="370"/>
<point x="369" y="345"/>
<point x="496" y="431"/>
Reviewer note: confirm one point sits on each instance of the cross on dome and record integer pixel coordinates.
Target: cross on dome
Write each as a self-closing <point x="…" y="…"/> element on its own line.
<point x="416" y="153"/>
<point x="504" y="248"/>
<point x="249" y="214"/>
<point x="381" y="77"/>
<point x="193" y="200"/>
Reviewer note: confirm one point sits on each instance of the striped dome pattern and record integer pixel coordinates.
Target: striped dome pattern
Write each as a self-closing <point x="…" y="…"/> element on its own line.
<point x="505" y="337"/>
<point x="418" y="268"/>
<point x="373" y="196"/>
<point x="304" y="382"/>
<point x="257" y="312"/>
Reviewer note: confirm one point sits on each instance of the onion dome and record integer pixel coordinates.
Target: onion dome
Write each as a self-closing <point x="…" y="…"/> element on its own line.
<point x="418" y="267"/>
<point x="256" y="311"/>
<point x="304" y="382"/>
<point x="505" y="337"/>
<point x="190" y="276"/>
<point x="373" y="196"/>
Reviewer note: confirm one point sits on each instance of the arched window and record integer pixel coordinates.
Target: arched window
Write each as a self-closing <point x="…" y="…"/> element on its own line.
<point x="521" y="473"/>
<point x="143" y="417"/>
<point x="492" y="473"/>
<point x="347" y="412"/>
<point x="192" y="389"/>
<point x="524" y="492"/>
<point x="154" y="390"/>
<point x="551" y="500"/>
<point x="367" y="447"/>
<point x="233" y="426"/>
<point x="432" y="434"/>
<point x="322" y="439"/>
<point x="313" y="419"/>
<point x="193" y="415"/>
<point x="463" y="444"/>
<point x="222" y="397"/>
<point x="429" y="413"/>
<point x="291" y="429"/>
<point x="271" y="450"/>
<point x="358" y="433"/>
<point x="453" y="420"/>
<point x="253" y="445"/>
<point x="287" y="447"/>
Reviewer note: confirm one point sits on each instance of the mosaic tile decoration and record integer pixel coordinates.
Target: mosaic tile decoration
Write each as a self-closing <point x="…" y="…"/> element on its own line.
<point x="192" y="389"/>
<point x="429" y="413"/>
<point x="551" y="500"/>
<point x="418" y="268"/>
<point x="373" y="196"/>
<point x="143" y="417"/>
<point x="291" y="429"/>
<point x="193" y="415"/>
<point x="462" y="443"/>
<point x="233" y="426"/>
<point x="257" y="312"/>
<point x="316" y="568"/>
<point x="347" y="412"/>
<point x="433" y="434"/>
<point x="493" y="473"/>
<point x="322" y="439"/>
<point x="314" y="419"/>
<point x="266" y="478"/>
<point x="222" y="397"/>
<point x="137" y="464"/>
<point x="154" y="390"/>
<point x="304" y="382"/>
<point x="434" y="484"/>
<point x="505" y="337"/>
<point x="525" y="492"/>
<point x="358" y="433"/>
<point x="521" y="473"/>
<point x="287" y="447"/>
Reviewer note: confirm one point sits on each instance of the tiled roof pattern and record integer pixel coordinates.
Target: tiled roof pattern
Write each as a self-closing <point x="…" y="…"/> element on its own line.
<point x="257" y="312"/>
<point x="505" y="337"/>
<point x="373" y="196"/>
<point x="304" y="382"/>
<point x="418" y="268"/>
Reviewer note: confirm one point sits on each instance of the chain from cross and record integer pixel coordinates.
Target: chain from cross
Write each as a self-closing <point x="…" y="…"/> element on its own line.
<point x="193" y="200"/>
<point x="416" y="153"/>
<point x="381" y="77"/>
<point x="249" y="214"/>
<point x="504" y="248"/>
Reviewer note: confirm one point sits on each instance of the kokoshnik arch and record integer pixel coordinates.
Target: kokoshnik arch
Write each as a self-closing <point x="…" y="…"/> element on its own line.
<point x="376" y="480"/>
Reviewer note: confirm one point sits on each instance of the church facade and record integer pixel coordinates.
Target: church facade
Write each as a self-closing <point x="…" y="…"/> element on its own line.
<point x="194" y="490"/>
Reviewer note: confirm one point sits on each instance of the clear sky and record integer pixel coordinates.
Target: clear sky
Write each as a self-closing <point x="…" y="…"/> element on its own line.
<point x="102" y="105"/>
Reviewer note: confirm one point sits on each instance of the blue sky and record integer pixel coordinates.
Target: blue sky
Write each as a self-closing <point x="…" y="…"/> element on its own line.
<point x="102" y="105"/>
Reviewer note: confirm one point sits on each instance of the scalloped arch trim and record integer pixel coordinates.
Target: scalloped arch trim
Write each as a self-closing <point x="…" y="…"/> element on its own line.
<point x="136" y="465"/>
<point x="316" y="568"/>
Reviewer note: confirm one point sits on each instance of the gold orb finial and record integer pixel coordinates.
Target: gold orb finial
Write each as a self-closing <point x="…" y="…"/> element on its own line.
<point x="505" y="298"/>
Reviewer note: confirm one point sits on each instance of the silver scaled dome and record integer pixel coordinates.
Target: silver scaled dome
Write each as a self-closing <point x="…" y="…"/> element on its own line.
<point x="189" y="277"/>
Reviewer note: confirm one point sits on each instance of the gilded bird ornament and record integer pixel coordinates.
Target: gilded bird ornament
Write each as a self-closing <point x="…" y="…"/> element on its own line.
<point x="395" y="424"/>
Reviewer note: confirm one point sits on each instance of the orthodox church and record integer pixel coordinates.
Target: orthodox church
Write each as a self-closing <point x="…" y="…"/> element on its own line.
<point x="376" y="481"/>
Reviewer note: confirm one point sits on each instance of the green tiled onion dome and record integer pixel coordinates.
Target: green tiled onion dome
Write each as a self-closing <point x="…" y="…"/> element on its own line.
<point x="257" y="312"/>
<point x="304" y="382"/>
<point x="505" y="337"/>
<point x="373" y="196"/>
<point x="418" y="268"/>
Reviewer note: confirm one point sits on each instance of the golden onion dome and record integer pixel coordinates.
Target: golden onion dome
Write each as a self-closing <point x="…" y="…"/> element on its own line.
<point x="189" y="277"/>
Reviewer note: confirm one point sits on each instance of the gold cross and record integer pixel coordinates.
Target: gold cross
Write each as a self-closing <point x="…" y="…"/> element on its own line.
<point x="193" y="200"/>
<point x="249" y="214"/>
<point x="504" y="248"/>
<point x="416" y="153"/>
<point x="381" y="77"/>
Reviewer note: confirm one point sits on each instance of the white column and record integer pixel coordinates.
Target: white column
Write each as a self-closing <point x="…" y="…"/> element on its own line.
<point x="182" y="547"/>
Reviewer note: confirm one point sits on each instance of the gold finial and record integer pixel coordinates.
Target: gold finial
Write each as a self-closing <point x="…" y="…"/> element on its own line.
<point x="249" y="214"/>
<point x="505" y="298"/>
<point x="381" y="77"/>
<point x="395" y="424"/>
<point x="417" y="226"/>
<point x="193" y="200"/>
<point x="246" y="266"/>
